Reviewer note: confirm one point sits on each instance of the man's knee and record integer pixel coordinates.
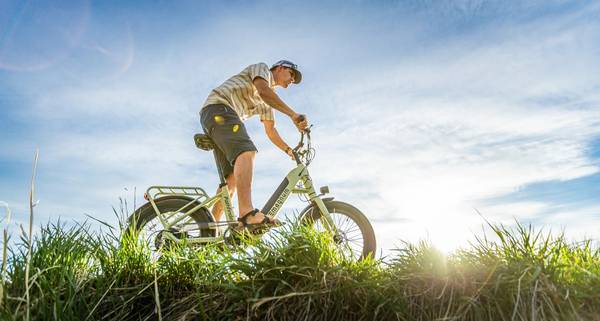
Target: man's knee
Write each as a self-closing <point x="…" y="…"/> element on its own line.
<point x="231" y="183"/>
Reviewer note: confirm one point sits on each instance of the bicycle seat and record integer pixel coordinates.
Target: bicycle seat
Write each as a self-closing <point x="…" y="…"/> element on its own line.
<point x="203" y="142"/>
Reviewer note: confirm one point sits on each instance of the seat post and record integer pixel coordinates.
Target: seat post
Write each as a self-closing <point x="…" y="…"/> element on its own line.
<point x="204" y="142"/>
<point x="221" y="177"/>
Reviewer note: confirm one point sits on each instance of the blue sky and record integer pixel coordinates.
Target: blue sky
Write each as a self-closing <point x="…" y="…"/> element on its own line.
<point x="423" y="110"/>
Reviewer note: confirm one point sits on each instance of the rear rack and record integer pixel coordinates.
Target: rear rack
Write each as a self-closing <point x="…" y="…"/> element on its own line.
<point x="196" y="195"/>
<point x="154" y="192"/>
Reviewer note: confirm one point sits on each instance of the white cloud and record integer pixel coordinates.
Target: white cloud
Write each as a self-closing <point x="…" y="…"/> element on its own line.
<point x="577" y="224"/>
<point x="431" y="136"/>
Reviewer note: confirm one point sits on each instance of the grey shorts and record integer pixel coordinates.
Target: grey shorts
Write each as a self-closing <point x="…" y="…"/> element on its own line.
<point x="222" y="124"/>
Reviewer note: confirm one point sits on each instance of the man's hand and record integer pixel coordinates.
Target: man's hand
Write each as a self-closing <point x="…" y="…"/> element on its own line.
<point x="290" y="152"/>
<point x="301" y="121"/>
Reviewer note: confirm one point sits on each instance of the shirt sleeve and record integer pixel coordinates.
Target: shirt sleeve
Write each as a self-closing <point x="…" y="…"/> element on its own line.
<point x="265" y="112"/>
<point x="260" y="70"/>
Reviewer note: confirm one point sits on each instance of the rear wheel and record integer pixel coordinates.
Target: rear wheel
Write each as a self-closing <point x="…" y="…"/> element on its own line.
<point x="355" y="236"/>
<point x="151" y="231"/>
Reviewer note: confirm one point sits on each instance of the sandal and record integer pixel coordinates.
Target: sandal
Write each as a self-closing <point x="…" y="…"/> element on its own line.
<point x="267" y="221"/>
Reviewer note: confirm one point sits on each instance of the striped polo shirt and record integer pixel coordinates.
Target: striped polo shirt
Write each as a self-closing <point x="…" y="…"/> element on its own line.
<point x="239" y="93"/>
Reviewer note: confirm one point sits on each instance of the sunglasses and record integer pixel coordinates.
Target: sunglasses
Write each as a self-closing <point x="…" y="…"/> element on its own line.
<point x="292" y="72"/>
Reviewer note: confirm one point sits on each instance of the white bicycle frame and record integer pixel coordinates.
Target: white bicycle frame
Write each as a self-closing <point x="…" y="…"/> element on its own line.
<point x="297" y="181"/>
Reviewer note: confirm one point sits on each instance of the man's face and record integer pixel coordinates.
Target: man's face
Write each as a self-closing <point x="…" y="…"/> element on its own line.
<point x="284" y="76"/>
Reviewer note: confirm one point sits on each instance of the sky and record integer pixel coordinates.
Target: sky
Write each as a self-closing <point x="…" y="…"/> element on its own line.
<point x="432" y="117"/>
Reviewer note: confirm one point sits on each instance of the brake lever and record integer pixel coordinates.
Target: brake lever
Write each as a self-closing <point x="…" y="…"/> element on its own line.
<point x="297" y="150"/>
<point x="307" y="131"/>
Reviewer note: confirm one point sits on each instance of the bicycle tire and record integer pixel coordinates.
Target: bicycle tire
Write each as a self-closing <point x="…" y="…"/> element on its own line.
<point x="146" y="213"/>
<point x="312" y="216"/>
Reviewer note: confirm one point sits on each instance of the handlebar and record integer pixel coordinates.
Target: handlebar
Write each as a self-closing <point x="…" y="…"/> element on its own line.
<point x="297" y="151"/>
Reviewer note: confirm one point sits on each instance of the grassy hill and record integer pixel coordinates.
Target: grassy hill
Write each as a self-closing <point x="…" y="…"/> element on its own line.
<point x="75" y="274"/>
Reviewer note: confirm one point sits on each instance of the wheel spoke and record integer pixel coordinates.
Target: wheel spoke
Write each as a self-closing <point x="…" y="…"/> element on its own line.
<point x="352" y="241"/>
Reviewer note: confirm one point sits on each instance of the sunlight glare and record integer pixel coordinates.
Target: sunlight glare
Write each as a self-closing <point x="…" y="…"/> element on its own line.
<point x="438" y="211"/>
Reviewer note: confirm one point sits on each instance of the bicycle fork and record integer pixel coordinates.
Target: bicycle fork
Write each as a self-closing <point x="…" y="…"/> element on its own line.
<point x="316" y="200"/>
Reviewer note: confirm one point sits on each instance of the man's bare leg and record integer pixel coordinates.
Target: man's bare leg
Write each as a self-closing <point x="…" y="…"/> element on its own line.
<point x="242" y="170"/>
<point x="217" y="210"/>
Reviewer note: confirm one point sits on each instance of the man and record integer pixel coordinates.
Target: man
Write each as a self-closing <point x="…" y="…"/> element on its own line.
<point x="249" y="93"/>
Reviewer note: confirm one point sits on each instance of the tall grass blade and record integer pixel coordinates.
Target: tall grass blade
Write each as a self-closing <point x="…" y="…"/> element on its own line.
<point x="32" y="204"/>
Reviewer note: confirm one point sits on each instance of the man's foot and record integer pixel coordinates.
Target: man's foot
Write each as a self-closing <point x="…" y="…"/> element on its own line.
<point x="256" y="217"/>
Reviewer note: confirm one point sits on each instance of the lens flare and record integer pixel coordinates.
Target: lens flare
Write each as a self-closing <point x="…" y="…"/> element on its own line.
<point x="36" y="35"/>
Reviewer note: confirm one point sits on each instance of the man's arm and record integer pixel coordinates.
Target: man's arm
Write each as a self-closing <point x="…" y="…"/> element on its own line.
<point x="273" y="135"/>
<point x="272" y="99"/>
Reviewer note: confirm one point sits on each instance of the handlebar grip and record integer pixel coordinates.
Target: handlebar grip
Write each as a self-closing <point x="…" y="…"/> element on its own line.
<point x="303" y="118"/>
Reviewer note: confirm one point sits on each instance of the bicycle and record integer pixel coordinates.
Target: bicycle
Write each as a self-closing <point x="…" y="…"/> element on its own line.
<point x="176" y="213"/>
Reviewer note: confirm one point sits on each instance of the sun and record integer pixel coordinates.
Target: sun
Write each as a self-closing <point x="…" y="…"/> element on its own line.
<point x="435" y="210"/>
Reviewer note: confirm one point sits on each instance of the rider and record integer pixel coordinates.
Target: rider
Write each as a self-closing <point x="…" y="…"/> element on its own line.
<point x="249" y="93"/>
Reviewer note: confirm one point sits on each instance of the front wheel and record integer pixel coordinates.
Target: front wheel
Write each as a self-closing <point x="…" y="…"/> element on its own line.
<point x="355" y="235"/>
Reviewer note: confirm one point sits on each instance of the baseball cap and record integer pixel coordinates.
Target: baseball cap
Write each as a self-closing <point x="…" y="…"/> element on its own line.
<point x="291" y="65"/>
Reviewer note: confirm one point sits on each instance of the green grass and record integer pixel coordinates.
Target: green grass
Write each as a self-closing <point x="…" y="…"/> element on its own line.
<point x="77" y="274"/>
